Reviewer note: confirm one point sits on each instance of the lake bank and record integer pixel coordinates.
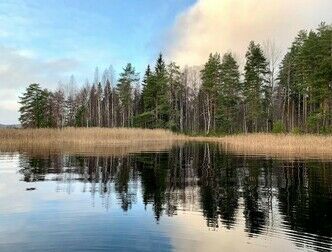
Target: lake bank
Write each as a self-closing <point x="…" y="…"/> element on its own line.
<point x="118" y="141"/>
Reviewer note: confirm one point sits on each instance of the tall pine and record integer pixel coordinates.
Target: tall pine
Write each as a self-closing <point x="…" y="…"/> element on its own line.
<point x="229" y="95"/>
<point x="209" y="92"/>
<point x="255" y="81"/>
<point x="126" y="83"/>
<point x="34" y="107"/>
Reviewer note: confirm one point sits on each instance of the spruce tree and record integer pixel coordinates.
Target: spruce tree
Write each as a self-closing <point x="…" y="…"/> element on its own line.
<point x="156" y="97"/>
<point x="144" y="83"/>
<point x="162" y="106"/>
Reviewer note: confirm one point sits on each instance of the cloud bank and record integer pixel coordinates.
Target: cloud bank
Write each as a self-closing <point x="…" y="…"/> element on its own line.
<point x="228" y="25"/>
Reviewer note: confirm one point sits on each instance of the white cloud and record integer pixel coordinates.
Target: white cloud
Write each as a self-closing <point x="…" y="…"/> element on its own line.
<point x="18" y="68"/>
<point x="228" y="25"/>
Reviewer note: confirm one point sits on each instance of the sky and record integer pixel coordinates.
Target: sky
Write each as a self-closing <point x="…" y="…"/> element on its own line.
<point x="47" y="41"/>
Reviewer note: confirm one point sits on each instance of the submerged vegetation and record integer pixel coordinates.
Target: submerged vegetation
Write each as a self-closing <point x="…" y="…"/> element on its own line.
<point x="217" y="98"/>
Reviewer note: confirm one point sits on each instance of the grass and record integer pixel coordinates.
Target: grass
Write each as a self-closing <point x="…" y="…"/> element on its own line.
<point x="120" y="141"/>
<point x="106" y="141"/>
<point x="277" y="145"/>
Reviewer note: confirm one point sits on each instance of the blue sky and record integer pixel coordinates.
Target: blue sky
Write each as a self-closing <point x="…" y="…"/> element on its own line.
<point x="91" y="32"/>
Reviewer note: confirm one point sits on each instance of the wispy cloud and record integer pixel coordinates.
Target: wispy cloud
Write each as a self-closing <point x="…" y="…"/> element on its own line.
<point x="19" y="67"/>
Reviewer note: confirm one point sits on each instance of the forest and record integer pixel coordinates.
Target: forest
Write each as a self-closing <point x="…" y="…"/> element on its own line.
<point x="271" y="93"/>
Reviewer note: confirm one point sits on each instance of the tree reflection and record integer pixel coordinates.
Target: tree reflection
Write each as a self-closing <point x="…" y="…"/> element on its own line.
<point x="255" y="214"/>
<point x="228" y="189"/>
<point x="305" y="198"/>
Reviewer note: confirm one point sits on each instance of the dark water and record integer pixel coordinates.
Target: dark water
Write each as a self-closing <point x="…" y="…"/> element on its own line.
<point x="190" y="198"/>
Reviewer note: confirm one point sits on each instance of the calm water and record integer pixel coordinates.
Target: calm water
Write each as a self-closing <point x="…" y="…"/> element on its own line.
<point x="186" y="199"/>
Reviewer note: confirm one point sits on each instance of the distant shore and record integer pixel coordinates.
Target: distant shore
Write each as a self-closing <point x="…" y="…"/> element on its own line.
<point x="119" y="141"/>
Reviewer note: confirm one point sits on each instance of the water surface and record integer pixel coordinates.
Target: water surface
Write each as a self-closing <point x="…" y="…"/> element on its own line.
<point x="190" y="198"/>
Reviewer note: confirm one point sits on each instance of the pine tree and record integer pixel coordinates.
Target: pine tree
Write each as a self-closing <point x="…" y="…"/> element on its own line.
<point x="128" y="78"/>
<point x="210" y="91"/>
<point x="229" y="95"/>
<point x="254" y="87"/>
<point x="34" y="107"/>
<point x="305" y="77"/>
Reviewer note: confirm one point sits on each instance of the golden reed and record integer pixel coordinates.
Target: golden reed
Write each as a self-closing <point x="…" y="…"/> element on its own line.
<point x="101" y="141"/>
<point x="286" y="146"/>
<point x="120" y="141"/>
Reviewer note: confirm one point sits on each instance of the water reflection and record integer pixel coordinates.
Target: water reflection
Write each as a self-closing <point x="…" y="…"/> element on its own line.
<point x="271" y="197"/>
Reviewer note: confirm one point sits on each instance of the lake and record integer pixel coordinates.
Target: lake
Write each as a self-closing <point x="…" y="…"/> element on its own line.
<point x="192" y="197"/>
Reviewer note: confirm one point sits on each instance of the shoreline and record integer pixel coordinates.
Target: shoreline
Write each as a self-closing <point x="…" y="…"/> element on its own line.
<point x="121" y="141"/>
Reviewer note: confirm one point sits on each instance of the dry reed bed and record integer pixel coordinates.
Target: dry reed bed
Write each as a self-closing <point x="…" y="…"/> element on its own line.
<point x="121" y="141"/>
<point x="103" y="141"/>
<point x="277" y="145"/>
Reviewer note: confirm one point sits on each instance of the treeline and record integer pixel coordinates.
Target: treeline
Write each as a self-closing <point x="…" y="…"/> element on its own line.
<point x="295" y="96"/>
